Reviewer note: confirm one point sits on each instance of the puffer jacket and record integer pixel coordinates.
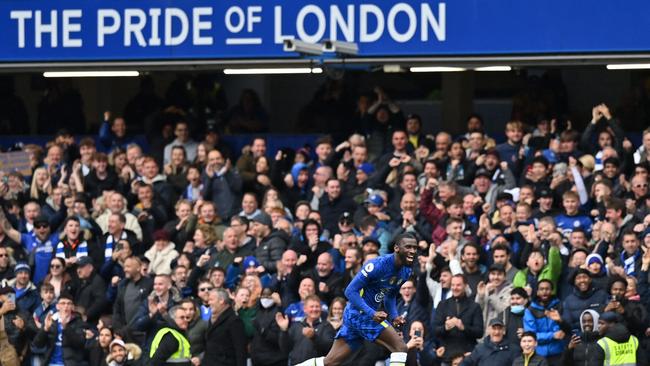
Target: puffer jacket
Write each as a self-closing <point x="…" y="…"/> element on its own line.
<point x="578" y="302"/>
<point x="270" y="249"/>
<point x="536" y="321"/>
<point x="492" y="354"/>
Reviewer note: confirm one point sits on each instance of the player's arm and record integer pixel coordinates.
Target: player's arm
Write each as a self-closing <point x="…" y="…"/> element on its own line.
<point x="353" y="291"/>
<point x="390" y="304"/>
<point x="12" y="233"/>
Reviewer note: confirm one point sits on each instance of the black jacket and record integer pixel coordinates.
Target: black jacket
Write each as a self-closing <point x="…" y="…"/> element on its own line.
<point x="512" y="322"/>
<point x="492" y="354"/>
<point x="301" y="348"/>
<point x="585" y="353"/>
<point x="454" y="340"/>
<point x="330" y="211"/>
<point x="270" y="249"/>
<point x="265" y="347"/>
<point x="90" y="294"/>
<point x="536" y="360"/>
<point x="226" y="341"/>
<point x="73" y="343"/>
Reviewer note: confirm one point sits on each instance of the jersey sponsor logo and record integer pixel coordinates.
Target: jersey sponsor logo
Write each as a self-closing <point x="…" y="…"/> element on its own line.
<point x="379" y="297"/>
<point x="576" y="223"/>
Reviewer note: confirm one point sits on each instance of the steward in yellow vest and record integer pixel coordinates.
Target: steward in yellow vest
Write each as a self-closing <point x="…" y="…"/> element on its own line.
<point x="170" y="346"/>
<point x="617" y="347"/>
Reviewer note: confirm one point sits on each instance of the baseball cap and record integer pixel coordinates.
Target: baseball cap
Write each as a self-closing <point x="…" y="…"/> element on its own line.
<point x="374" y="199"/>
<point x="610" y="317"/>
<point x="497" y="267"/>
<point x="84" y="261"/>
<point x="497" y="322"/>
<point x="117" y="342"/>
<point x="366" y="168"/>
<point x="251" y="261"/>
<point x="345" y="217"/>
<point x="545" y="193"/>
<point x="483" y="173"/>
<point x="41" y="219"/>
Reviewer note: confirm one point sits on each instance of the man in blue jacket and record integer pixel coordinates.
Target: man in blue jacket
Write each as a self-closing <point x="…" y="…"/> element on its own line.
<point x="584" y="297"/>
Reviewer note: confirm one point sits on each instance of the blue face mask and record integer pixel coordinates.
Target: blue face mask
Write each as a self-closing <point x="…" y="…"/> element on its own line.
<point x="517" y="309"/>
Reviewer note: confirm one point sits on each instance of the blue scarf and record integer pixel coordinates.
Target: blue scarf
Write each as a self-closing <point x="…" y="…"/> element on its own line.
<point x="629" y="263"/>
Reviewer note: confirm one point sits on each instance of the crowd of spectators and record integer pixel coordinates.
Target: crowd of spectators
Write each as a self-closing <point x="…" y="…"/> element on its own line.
<point x="531" y="252"/>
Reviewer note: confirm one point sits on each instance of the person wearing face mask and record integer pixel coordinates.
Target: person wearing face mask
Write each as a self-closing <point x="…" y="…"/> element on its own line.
<point x="513" y="317"/>
<point x="582" y="348"/>
<point x="265" y="348"/>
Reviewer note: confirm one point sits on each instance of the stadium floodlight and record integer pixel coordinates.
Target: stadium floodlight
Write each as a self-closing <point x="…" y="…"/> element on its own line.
<point x="294" y="45"/>
<point x="340" y="47"/>
<point x="436" y="69"/>
<point x="274" y="71"/>
<point x="89" y="74"/>
<point x="493" y="68"/>
<point x="628" y="66"/>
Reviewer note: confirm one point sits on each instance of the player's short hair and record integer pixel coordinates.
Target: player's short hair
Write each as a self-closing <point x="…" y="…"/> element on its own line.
<point x="399" y="239"/>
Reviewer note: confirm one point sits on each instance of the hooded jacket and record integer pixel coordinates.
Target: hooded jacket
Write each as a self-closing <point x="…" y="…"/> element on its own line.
<point x="492" y="354"/>
<point x="579" y="301"/>
<point x="585" y="352"/>
<point x="536" y="321"/>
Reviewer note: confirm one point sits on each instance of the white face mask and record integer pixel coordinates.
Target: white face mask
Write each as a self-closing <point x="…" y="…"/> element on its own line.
<point x="266" y="302"/>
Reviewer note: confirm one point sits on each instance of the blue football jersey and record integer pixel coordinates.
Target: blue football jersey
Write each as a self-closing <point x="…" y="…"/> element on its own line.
<point x="376" y="286"/>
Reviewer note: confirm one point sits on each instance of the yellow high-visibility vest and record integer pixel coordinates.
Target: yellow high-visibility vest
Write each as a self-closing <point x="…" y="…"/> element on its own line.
<point x="619" y="354"/>
<point x="182" y="355"/>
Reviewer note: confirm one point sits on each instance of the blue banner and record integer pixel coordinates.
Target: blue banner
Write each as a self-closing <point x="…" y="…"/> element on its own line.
<point x="96" y="30"/>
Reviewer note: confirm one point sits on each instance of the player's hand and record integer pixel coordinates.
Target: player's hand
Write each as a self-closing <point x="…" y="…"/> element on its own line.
<point x="379" y="316"/>
<point x="398" y="322"/>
